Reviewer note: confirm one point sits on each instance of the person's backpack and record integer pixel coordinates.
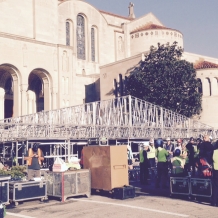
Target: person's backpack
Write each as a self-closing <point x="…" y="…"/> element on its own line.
<point x="206" y="168"/>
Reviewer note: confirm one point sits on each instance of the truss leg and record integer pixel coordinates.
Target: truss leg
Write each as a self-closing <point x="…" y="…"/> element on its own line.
<point x="16" y="152"/>
<point x="68" y="149"/>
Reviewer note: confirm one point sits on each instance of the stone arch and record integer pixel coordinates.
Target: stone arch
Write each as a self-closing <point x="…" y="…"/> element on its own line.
<point x="10" y="93"/>
<point x="39" y="82"/>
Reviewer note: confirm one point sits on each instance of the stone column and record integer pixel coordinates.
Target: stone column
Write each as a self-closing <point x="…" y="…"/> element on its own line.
<point x="2" y="103"/>
<point x="16" y="98"/>
<point x="54" y="93"/>
<point x="23" y="90"/>
<point x="127" y="51"/>
<point x="47" y="97"/>
<point x="31" y="102"/>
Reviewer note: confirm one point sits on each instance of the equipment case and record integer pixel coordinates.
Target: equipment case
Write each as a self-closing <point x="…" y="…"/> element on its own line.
<point x="180" y="185"/>
<point x="27" y="190"/>
<point x="134" y="175"/>
<point x="201" y="187"/>
<point x="4" y="189"/>
<point x="124" y="192"/>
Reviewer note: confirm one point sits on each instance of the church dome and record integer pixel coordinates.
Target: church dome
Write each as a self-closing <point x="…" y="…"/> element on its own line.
<point x="143" y="37"/>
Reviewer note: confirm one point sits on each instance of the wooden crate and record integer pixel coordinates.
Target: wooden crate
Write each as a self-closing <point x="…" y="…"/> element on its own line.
<point x="108" y="166"/>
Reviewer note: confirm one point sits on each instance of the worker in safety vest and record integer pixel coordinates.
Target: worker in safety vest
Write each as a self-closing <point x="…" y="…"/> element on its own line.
<point x="178" y="163"/>
<point x="144" y="164"/>
<point x="162" y="165"/>
<point x="151" y="154"/>
<point x="34" y="159"/>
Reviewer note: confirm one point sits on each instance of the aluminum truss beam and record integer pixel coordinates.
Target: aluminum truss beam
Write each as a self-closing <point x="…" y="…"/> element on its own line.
<point x="123" y="117"/>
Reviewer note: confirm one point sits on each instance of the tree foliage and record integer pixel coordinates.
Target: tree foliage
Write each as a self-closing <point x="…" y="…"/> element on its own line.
<point x="164" y="79"/>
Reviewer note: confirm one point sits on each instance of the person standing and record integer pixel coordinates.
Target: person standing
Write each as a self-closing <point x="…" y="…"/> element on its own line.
<point x="206" y="149"/>
<point x="34" y="159"/>
<point x="129" y="155"/>
<point x="178" y="145"/>
<point x="170" y="148"/>
<point x="184" y="156"/>
<point x="144" y="164"/>
<point x="152" y="159"/>
<point x="151" y="154"/>
<point x="191" y="155"/>
<point x="178" y="164"/>
<point x="214" y="198"/>
<point x="162" y="165"/>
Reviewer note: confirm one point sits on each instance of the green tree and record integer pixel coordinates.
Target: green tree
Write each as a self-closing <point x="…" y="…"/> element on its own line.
<point x="164" y="79"/>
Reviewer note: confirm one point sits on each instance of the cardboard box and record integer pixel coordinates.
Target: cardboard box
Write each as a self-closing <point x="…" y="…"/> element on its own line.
<point x="58" y="168"/>
<point x="108" y="166"/>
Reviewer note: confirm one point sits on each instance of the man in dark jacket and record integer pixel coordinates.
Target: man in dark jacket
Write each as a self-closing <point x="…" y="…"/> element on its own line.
<point x="206" y="150"/>
<point x="191" y="155"/>
<point x="144" y="165"/>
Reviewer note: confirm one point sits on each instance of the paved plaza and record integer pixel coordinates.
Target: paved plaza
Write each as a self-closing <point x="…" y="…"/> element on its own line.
<point x="149" y="202"/>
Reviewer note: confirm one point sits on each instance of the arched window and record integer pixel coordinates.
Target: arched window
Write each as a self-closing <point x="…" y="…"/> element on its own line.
<point x="200" y="89"/>
<point x="81" y="49"/>
<point x="68" y="33"/>
<point x="93" y="43"/>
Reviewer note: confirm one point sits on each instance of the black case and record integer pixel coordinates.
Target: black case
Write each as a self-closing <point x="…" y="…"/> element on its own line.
<point x="180" y="185"/>
<point x="27" y="190"/>
<point x="4" y="189"/>
<point x="201" y="187"/>
<point x="124" y="192"/>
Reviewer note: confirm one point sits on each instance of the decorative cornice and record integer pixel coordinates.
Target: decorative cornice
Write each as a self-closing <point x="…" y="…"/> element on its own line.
<point x="151" y="26"/>
<point x="89" y="76"/>
<point x="115" y="15"/>
<point x="30" y="40"/>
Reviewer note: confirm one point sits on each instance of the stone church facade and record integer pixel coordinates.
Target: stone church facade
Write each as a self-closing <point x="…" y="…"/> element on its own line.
<point x="58" y="53"/>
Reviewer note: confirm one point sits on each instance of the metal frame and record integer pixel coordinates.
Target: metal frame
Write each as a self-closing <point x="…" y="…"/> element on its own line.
<point x="62" y="195"/>
<point x="124" y="117"/>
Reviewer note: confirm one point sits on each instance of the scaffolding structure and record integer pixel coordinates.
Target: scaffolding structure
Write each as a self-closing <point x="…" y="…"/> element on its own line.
<point x="114" y="121"/>
<point x="122" y="117"/>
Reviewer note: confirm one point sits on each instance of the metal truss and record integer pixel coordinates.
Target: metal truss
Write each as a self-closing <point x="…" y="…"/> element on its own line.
<point x="122" y="117"/>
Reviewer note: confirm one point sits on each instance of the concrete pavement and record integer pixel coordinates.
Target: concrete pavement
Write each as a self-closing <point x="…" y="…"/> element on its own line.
<point x="149" y="202"/>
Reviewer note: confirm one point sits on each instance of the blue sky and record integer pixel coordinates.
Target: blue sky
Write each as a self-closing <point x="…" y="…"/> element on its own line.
<point x="196" y="19"/>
